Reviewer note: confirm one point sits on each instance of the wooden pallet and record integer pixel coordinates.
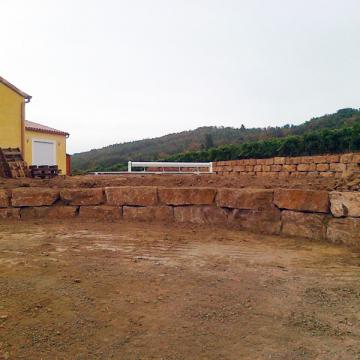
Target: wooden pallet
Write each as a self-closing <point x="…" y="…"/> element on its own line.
<point x="44" y="171"/>
<point x="12" y="164"/>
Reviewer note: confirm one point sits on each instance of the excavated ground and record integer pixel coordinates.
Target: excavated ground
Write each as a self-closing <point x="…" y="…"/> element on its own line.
<point x="236" y="181"/>
<point x="75" y="290"/>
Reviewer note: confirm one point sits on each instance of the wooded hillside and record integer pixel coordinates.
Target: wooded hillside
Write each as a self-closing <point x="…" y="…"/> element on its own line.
<point x="201" y="143"/>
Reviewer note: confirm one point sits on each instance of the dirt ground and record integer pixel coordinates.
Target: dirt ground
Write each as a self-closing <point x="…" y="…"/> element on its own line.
<point x="76" y="290"/>
<point x="209" y="180"/>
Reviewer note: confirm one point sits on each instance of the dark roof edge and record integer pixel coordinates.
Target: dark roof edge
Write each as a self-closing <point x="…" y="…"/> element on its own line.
<point x="14" y="88"/>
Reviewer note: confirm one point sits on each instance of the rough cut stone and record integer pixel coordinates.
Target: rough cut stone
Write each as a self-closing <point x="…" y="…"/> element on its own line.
<point x="306" y="167"/>
<point x="307" y="225"/>
<point x="344" y="230"/>
<point x="346" y="158"/>
<point x="94" y="196"/>
<point x="302" y="200"/>
<point x="250" y="199"/>
<point x="276" y="167"/>
<point x="10" y="213"/>
<point x="294" y="160"/>
<point x="312" y="174"/>
<point x="187" y="196"/>
<point x="34" y="196"/>
<point x="279" y="160"/>
<point x="327" y="174"/>
<point x="322" y="167"/>
<point x="319" y="159"/>
<point x="101" y="212"/>
<point x="289" y="167"/>
<point x="337" y="167"/>
<point x="332" y="158"/>
<point x="149" y="213"/>
<point x="48" y="212"/>
<point x="201" y="215"/>
<point x="267" y="221"/>
<point x="131" y="195"/>
<point x="356" y="158"/>
<point x="4" y="198"/>
<point x="345" y="204"/>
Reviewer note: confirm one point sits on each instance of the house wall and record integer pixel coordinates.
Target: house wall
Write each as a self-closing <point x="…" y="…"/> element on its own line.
<point x="60" y="147"/>
<point x="11" y="125"/>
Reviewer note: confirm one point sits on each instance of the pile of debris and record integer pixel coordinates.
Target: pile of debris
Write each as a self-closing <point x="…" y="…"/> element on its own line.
<point x="12" y="165"/>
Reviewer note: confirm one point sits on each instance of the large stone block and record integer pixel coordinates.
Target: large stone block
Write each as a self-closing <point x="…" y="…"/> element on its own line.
<point x="201" y="215"/>
<point x="93" y="196"/>
<point x="131" y="195"/>
<point x="4" y="198"/>
<point x="322" y="167"/>
<point x="344" y="230"/>
<point x="149" y="213"/>
<point x="307" y="225"/>
<point x="276" y="167"/>
<point x="345" y="204"/>
<point x="266" y="221"/>
<point x="302" y="200"/>
<point x="34" y="197"/>
<point x="187" y="196"/>
<point x="294" y="160"/>
<point x="48" y="212"/>
<point x="250" y="199"/>
<point x="306" y="167"/>
<point x="319" y="159"/>
<point x="289" y="167"/>
<point x="332" y="158"/>
<point x="339" y="167"/>
<point x="279" y="160"/>
<point x="9" y="213"/>
<point x="346" y="158"/>
<point x="356" y="158"/>
<point x="102" y="212"/>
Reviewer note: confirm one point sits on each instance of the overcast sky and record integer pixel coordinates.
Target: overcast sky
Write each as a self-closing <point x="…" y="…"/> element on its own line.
<point x="109" y="71"/>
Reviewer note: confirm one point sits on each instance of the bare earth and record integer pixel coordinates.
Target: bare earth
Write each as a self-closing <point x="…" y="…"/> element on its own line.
<point x="76" y="290"/>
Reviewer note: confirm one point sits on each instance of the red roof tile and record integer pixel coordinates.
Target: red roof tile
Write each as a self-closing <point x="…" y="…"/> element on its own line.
<point x="30" y="125"/>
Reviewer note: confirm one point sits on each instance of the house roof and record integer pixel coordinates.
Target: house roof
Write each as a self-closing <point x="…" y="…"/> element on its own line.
<point x="33" y="126"/>
<point x="14" y="88"/>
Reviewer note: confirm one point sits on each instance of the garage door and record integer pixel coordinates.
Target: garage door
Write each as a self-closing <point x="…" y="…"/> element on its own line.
<point x="43" y="152"/>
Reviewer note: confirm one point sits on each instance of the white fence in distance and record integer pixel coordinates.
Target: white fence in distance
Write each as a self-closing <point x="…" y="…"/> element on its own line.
<point x="163" y="165"/>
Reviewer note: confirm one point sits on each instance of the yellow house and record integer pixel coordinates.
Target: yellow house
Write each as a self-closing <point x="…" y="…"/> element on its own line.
<point x="39" y="144"/>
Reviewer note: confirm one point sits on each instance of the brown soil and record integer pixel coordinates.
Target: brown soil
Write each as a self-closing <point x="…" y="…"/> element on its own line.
<point x="237" y="181"/>
<point x="132" y="291"/>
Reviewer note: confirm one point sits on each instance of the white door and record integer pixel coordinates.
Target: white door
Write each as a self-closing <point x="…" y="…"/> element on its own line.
<point x="43" y="152"/>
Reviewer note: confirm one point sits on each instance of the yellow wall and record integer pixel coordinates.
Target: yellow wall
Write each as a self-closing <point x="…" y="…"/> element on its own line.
<point x="60" y="147"/>
<point x="10" y="118"/>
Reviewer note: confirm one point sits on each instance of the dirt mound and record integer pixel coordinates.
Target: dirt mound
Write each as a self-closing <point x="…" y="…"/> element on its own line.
<point x="211" y="180"/>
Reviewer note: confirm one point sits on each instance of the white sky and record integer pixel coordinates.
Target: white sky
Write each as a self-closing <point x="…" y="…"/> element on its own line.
<point x="109" y="71"/>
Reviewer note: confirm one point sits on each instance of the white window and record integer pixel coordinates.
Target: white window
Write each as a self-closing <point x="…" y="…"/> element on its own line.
<point x="43" y="152"/>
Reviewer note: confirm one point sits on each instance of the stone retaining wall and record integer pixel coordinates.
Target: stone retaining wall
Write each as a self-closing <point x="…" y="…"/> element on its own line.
<point x="319" y="215"/>
<point x="325" y="165"/>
